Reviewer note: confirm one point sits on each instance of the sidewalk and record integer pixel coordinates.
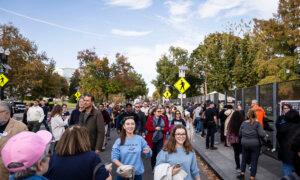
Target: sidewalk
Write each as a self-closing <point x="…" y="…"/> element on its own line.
<point x="222" y="161"/>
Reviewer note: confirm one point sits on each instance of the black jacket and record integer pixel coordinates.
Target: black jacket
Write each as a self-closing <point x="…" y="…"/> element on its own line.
<point x="95" y="125"/>
<point x="286" y="125"/>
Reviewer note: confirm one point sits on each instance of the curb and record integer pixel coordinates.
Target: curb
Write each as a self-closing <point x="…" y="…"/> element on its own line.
<point x="211" y="164"/>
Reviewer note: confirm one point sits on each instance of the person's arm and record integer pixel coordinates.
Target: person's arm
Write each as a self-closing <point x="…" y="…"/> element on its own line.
<point x="116" y="153"/>
<point x="260" y="131"/>
<point x="71" y="120"/>
<point x="100" y="131"/>
<point x="146" y="149"/>
<point x="41" y="111"/>
<point x="149" y="125"/>
<point x="161" y="157"/>
<point x="194" y="168"/>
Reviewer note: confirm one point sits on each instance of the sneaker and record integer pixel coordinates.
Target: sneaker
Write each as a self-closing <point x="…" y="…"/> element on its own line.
<point x="238" y="170"/>
<point x="213" y="148"/>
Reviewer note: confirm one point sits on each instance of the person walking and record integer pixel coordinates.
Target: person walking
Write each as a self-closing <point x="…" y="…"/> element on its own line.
<point x="107" y="121"/>
<point x="259" y="111"/>
<point x="74" y="158"/>
<point x="228" y="113"/>
<point x="178" y="152"/>
<point x="128" y="112"/>
<point x="142" y="118"/>
<point x="251" y="133"/>
<point x="178" y="119"/>
<point x="287" y="125"/>
<point x="222" y="118"/>
<point x="157" y="128"/>
<point x="295" y="149"/>
<point x="8" y="128"/>
<point x="93" y="120"/>
<point x="57" y="123"/>
<point x="26" y="155"/>
<point x="74" y="118"/>
<point x="45" y="110"/>
<point x="129" y="148"/>
<point x="35" y="116"/>
<point x="211" y="121"/>
<point x="24" y="119"/>
<point x="197" y="118"/>
<point x="233" y="138"/>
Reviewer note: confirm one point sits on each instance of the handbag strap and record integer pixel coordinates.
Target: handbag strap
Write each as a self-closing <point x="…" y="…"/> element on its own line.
<point x="96" y="169"/>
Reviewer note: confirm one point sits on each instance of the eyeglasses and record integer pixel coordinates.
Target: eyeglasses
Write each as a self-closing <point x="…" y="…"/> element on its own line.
<point x="158" y="111"/>
<point x="137" y="107"/>
<point x="177" y="113"/>
<point x="180" y="134"/>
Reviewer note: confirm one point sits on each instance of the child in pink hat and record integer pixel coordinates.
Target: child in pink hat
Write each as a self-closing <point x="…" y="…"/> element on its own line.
<point x="25" y="155"/>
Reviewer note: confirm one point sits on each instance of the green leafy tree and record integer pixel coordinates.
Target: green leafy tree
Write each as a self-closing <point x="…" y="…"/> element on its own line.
<point x="74" y="85"/>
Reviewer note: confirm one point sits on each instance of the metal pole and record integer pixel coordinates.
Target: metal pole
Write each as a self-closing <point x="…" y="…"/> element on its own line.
<point x="275" y="115"/>
<point x="181" y="99"/>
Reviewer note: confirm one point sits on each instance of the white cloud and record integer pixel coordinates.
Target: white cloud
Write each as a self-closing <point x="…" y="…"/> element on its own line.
<point x="127" y="33"/>
<point x="231" y="8"/>
<point x="131" y="4"/>
<point x="179" y="10"/>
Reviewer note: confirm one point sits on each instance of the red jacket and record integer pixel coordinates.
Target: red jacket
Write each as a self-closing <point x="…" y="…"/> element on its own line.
<point x="151" y="129"/>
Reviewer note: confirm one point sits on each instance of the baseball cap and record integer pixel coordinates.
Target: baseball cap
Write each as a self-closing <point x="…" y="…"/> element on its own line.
<point x="25" y="149"/>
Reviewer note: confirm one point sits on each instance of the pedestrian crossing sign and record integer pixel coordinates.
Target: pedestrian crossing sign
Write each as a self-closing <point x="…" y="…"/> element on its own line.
<point x="77" y="95"/>
<point x="167" y="94"/>
<point x="182" y="85"/>
<point x="3" y="80"/>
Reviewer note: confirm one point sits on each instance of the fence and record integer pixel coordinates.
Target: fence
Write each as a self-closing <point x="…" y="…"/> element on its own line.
<point x="269" y="97"/>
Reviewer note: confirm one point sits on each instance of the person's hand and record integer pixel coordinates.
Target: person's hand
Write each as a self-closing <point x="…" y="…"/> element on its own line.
<point x="157" y="128"/>
<point x="97" y="151"/>
<point x="146" y="150"/>
<point x="175" y="170"/>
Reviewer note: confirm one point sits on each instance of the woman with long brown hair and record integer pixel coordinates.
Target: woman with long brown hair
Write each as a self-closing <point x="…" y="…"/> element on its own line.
<point x="57" y="122"/>
<point x="178" y="152"/>
<point x="251" y="133"/>
<point x="128" y="149"/>
<point x="74" y="158"/>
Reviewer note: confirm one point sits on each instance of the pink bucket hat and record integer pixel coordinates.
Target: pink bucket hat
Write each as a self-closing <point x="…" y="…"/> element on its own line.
<point x="25" y="149"/>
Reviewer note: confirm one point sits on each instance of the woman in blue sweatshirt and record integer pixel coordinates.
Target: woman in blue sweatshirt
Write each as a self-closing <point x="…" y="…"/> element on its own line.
<point x="128" y="149"/>
<point x="179" y="153"/>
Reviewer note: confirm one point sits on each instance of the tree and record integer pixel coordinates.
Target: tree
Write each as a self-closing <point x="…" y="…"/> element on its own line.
<point x="244" y="72"/>
<point x="279" y="37"/>
<point x="74" y="85"/>
<point x="216" y="57"/>
<point x="32" y="72"/>
<point x="168" y="68"/>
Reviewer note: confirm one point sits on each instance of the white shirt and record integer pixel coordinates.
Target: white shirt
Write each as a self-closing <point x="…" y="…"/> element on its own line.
<point x="145" y="110"/>
<point x="197" y="112"/>
<point x="58" y="126"/>
<point x="35" y="113"/>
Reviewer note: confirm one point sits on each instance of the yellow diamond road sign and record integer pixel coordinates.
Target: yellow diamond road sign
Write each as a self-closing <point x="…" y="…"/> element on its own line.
<point x="167" y="94"/>
<point x="182" y="85"/>
<point x="3" y="80"/>
<point x="77" y="95"/>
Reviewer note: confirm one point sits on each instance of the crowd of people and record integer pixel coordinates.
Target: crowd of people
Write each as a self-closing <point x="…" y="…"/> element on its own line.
<point x="70" y="146"/>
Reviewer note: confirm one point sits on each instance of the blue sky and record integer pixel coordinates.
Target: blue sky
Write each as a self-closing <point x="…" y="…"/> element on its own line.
<point x="140" y="29"/>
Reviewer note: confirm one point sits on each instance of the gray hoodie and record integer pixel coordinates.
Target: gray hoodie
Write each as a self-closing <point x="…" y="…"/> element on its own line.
<point x="250" y="133"/>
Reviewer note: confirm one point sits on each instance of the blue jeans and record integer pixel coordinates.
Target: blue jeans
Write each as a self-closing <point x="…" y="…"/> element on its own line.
<point x="136" y="177"/>
<point x="198" y="125"/>
<point x="287" y="169"/>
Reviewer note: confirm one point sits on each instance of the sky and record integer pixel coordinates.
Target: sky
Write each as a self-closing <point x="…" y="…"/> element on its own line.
<point x="142" y="30"/>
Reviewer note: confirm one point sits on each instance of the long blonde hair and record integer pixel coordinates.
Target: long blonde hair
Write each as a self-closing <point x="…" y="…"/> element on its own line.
<point x="251" y="115"/>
